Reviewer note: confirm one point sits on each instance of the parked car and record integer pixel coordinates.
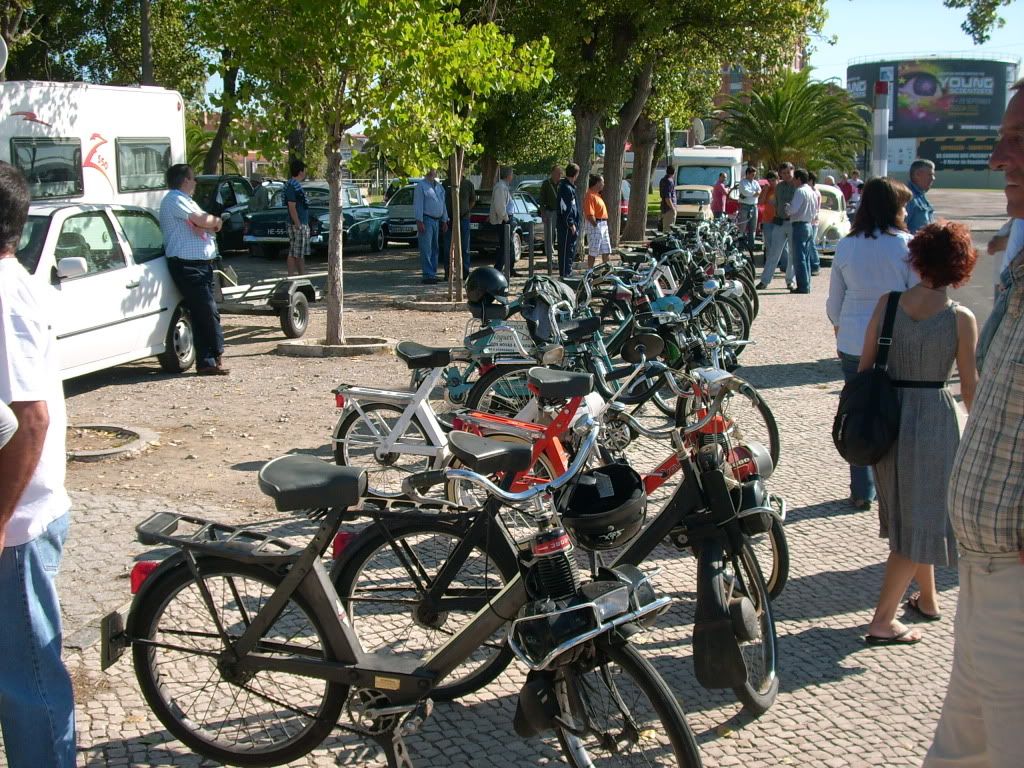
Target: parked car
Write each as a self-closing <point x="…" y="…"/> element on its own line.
<point x="226" y="196"/>
<point x="833" y="223"/>
<point x="112" y="295"/>
<point x="484" y="236"/>
<point x="397" y="184"/>
<point x="693" y="202"/>
<point x="401" y="223"/>
<point x="266" y="232"/>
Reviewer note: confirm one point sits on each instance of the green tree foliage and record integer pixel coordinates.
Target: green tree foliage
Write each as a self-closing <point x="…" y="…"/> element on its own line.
<point x="528" y="130"/>
<point x="811" y="124"/>
<point x="982" y="17"/>
<point x="411" y="70"/>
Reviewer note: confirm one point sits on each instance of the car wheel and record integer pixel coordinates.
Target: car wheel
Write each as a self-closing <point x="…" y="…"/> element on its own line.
<point x="378" y="242"/>
<point x="179" y="348"/>
<point x="517" y="246"/>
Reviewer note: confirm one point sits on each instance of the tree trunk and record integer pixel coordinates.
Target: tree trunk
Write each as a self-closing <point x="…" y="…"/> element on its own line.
<point x="488" y="171"/>
<point x="456" y="166"/>
<point x="644" y="139"/>
<point x="335" y="283"/>
<point x="147" y="43"/>
<point x="215" y="154"/>
<point x="297" y="143"/>
<point x="616" y="131"/>
<point x="583" y="145"/>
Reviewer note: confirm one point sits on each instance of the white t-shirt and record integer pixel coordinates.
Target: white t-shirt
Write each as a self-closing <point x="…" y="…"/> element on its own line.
<point x="750" y="190"/>
<point x="29" y="371"/>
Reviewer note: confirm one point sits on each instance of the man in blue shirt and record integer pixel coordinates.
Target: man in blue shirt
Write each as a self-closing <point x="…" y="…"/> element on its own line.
<point x="298" y="218"/>
<point x="919" y="210"/>
<point x="568" y="219"/>
<point x="431" y="216"/>
<point x="191" y="248"/>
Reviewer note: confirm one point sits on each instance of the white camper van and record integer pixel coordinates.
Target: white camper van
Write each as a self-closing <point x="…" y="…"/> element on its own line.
<point x="701" y="165"/>
<point x="92" y="143"/>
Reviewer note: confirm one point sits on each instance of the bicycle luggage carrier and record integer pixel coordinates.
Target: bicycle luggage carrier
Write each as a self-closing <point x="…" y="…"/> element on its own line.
<point x="210" y="538"/>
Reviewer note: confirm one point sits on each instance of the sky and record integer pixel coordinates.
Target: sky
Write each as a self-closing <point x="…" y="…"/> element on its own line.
<point x="888" y="28"/>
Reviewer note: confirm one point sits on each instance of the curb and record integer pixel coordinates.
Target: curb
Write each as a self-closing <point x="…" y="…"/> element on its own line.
<point x="355" y="345"/>
<point x="143" y="439"/>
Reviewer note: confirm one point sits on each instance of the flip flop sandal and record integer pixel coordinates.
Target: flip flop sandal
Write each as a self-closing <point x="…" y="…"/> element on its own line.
<point x="913" y="606"/>
<point x="894" y="640"/>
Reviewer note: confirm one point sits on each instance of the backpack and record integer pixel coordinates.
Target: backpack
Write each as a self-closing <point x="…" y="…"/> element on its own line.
<point x="868" y="419"/>
<point x="539" y="295"/>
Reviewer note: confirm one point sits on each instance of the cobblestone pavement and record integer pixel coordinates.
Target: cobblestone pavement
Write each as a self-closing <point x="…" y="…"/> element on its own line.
<point x="841" y="702"/>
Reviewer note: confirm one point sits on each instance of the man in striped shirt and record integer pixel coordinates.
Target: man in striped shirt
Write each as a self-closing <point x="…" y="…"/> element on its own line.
<point x="982" y="717"/>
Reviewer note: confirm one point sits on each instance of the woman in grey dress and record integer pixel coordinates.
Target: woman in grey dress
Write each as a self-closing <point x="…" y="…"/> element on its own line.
<point x="930" y="334"/>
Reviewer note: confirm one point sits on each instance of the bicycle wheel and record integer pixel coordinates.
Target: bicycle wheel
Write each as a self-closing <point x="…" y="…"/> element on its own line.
<point x="502" y="390"/>
<point x="762" y="686"/>
<point x="268" y="718"/>
<point x="736" y="316"/>
<point x="383" y="583"/>
<point x="621" y="713"/>
<point x="749" y="294"/>
<point x="357" y="437"/>
<point x="753" y="420"/>
<point x="772" y="552"/>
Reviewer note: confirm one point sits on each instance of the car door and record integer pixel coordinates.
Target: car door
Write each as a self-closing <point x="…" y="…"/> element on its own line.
<point x="156" y="298"/>
<point x="234" y="224"/>
<point x="96" y="310"/>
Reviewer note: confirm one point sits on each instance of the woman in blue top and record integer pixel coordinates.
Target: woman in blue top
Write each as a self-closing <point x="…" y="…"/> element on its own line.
<point x="869" y="262"/>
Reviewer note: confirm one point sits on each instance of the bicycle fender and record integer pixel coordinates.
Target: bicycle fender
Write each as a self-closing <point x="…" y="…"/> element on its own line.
<point x="172" y="563"/>
<point x="717" y="660"/>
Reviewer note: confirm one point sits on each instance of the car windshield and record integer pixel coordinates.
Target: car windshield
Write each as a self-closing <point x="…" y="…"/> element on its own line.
<point x="30" y="247"/>
<point x="704" y="175"/>
<point x="830" y="201"/>
<point x="694" y="196"/>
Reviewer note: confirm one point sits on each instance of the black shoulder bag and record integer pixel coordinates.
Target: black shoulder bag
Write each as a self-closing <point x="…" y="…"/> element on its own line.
<point x="868" y="419"/>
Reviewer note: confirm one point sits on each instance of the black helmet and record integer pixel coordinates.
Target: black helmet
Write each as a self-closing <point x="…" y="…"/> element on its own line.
<point x="605" y="508"/>
<point x="485" y="285"/>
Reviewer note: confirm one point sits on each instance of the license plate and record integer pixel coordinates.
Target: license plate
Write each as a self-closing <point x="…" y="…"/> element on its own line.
<point x="474" y="225"/>
<point x="403" y="230"/>
<point x="276" y="231"/>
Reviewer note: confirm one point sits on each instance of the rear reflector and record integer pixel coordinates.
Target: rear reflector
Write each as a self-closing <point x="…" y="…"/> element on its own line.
<point x="339" y="400"/>
<point x="341" y="541"/>
<point x="140" y="572"/>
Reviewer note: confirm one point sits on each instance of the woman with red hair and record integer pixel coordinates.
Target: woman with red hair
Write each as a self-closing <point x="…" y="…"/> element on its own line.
<point x="929" y="335"/>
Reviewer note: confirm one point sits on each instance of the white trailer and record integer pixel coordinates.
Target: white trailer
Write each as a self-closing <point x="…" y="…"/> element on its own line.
<point x="701" y="165"/>
<point x="92" y="143"/>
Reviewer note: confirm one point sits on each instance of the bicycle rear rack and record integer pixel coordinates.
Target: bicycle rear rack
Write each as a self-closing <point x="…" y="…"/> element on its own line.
<point x="198" y="535"/>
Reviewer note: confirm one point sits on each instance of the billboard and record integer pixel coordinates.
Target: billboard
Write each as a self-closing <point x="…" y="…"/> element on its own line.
<point x="958" y="153"/>
<point x="937" y="97"/>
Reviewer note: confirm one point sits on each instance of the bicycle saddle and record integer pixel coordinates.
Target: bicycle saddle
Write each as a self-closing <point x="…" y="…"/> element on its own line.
<point x="577" y="330"/>
<point x="418" y="356"/>
<point x="489" y="456"/>
<point x="306" y="482"/>
<point x="634" y="258"/>
<point x="558" y="385"/>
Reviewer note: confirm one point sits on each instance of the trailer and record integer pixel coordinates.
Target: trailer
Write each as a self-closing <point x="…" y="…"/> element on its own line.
<point x="92" y="143"/>
<point x="286" y="297"/>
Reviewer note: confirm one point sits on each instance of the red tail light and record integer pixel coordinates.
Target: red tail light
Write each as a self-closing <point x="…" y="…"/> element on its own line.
<point x="478" y="218"/>
<point x="339" y="400"/>
<point x="140" y="572"/>
<point x="341" y="541"/>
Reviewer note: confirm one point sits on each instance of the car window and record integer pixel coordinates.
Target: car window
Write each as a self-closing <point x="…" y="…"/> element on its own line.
<point x="830" y="202"/>
<point x="402" y="197"/>
<point x="143" y="234"/>
<point x="225" y="195"/>
<point x="694" y="196"/>
<point x="242" y="191"/>
<point x="204" y="194"/>
<point x="90" y="236"/>
<point x="531" y="205"/>
<point x="30" y="247"/>
<point x="317" y="197"/>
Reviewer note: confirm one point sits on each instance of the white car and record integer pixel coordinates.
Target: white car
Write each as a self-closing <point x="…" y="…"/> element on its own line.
<point x="112" y="297"/>
<point x="401" y="222"/>
<point x="833" y="223"/>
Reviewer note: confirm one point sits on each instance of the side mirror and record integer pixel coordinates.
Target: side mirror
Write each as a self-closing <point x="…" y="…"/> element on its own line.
<point x="72" y="266"/>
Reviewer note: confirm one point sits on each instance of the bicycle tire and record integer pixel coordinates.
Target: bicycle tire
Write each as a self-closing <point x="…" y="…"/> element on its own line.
<point x="396" y="628"/>
<point x="160" y="679"/>
<point x="767" y="430"/>
<point x="665" y="723"/>
<point x="738" y="317"/>
<point x="760" y="690"/>
<point x="383" y="478"/>
<point x="779" y="574"/>
<point x="749" y="294"/>
<point x="501" y="391"/>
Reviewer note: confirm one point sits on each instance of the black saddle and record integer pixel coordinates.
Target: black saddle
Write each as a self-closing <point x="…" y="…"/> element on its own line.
<point x="487" y="312"/>
<point x="578" y="330"/>
<point x="560" y="385"/>
<point x="489" y="456"/>
<point x="637" y="257"/>
<point x="418" y="356"/>
<point x="306" y="482"/>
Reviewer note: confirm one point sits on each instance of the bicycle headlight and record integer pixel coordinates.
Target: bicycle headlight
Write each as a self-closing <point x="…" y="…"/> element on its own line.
<point x="553" y="355"/>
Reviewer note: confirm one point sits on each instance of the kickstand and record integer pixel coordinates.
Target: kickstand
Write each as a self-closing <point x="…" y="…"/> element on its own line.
<point x="394" y="748"/>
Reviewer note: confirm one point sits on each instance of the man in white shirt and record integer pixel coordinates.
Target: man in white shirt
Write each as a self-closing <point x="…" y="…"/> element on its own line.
<point x="500" y="217"/>
<point x="37" y="710"/>
<point x="802" y="210"/>
<point x="750" y="191"/>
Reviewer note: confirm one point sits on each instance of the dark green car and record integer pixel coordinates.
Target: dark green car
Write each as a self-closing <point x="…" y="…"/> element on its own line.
<point x="266" y="232"/>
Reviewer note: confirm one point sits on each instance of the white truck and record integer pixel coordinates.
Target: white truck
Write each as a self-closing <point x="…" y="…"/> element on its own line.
<point x="700" y="165"/>
<point x="92" y="143"/>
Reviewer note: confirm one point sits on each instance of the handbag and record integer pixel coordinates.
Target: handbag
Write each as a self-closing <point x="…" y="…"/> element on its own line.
<point x="868" y="419"/>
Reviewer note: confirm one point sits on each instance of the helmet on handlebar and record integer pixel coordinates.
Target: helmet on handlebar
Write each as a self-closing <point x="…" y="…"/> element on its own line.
<point x="605" y="507"/>
<point x="485" y="285"/>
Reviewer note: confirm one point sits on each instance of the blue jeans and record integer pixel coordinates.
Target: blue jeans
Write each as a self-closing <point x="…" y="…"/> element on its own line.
<point x="566" y="249"/>
<point x="428" y="247"/>
<point x="862" y="481"/>
<point x="446" y="247"/>
<point x="813" y="257"/>
<point x="195" y="281"/>
<point x="747" y="223"/>
<point x="37" y="710"/>
<point x="801" y="257"/>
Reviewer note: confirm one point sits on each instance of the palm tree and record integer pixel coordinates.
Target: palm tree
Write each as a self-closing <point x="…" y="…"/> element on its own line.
<point x="811" y="124"/>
